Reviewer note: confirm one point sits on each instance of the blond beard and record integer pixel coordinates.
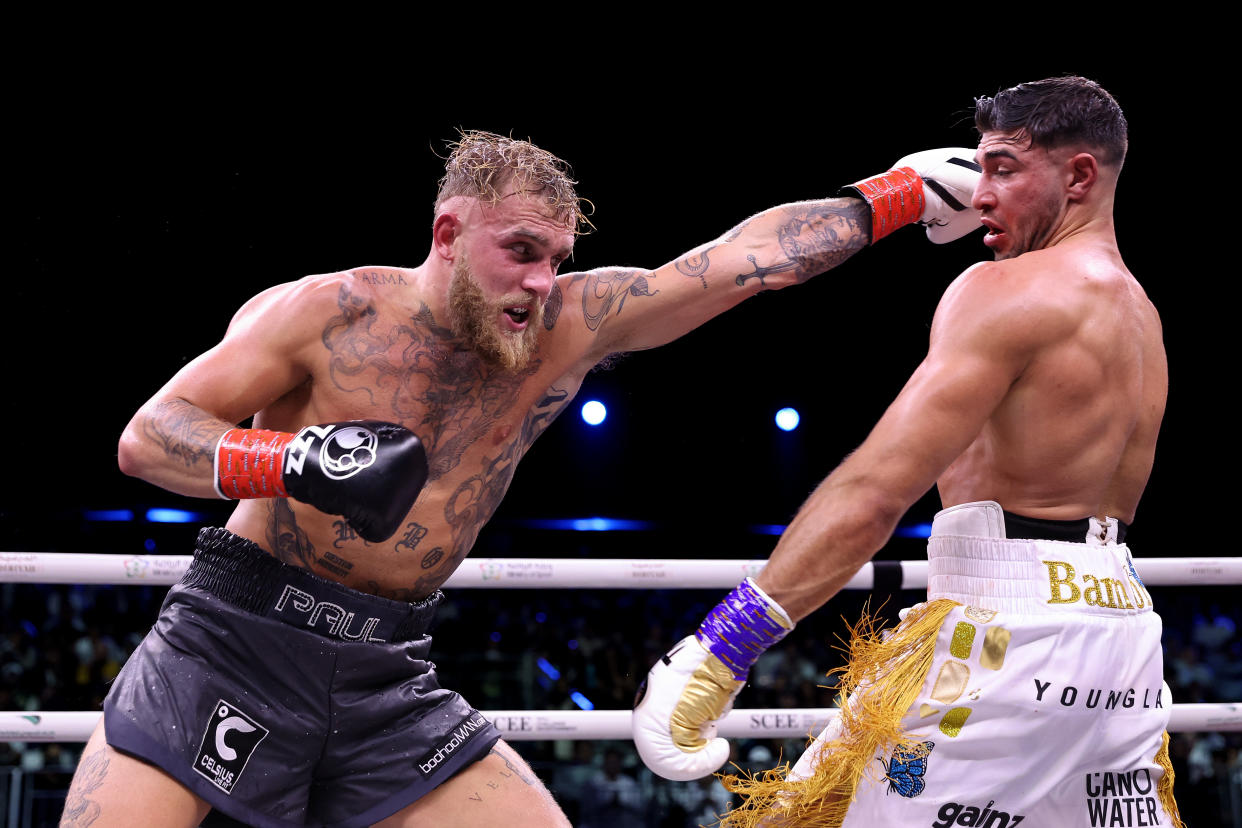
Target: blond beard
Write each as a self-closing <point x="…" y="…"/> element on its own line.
<point x="475" y="320"/>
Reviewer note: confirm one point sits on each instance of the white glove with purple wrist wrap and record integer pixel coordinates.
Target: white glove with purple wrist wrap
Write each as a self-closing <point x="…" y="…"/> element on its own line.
<point x="693" y="686"/>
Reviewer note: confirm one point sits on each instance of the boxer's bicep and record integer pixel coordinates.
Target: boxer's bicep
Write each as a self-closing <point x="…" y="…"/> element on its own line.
<point x="633" y="309"/>
<point x="941" y="410"/>
<point x="171" y="439"/>
<point x="980" y="347"/>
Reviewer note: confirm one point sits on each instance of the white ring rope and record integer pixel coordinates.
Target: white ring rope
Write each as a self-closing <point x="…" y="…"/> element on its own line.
<point x="545" y="573"/>
<point x="534" y="725"/>
<point x="558" y="573"/>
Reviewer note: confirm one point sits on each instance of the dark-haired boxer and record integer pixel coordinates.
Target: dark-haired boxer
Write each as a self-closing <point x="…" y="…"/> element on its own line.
<point x="286" y="681"/>
<point x="1028" y="689"/>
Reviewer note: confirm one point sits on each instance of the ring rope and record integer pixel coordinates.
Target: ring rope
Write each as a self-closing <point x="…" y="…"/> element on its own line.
<point x="574" y="725"/>
<point x="558" y="573"/>
<point x="94" y="568"/>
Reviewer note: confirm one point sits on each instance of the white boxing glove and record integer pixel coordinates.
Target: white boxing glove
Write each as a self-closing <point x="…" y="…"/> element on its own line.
<point x="674" y="723"/>
<point x="933" y="188"/>
<point x="693" y="686"/>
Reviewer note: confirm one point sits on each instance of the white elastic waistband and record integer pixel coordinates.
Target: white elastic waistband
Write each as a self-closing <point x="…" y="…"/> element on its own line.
<point x="972" y="562"/>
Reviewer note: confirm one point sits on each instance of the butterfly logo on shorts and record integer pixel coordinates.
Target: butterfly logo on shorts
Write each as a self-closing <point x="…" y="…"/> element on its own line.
<point x="906" y="768"/>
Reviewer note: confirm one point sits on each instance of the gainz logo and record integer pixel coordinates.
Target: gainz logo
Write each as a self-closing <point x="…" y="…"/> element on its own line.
<point x="955" y="813"/>
<point x="1120" y="798"/>
<point x="228" y="742"/>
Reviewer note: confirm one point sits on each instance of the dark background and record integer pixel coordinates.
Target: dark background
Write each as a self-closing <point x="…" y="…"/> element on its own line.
<point x="149" y="207"/>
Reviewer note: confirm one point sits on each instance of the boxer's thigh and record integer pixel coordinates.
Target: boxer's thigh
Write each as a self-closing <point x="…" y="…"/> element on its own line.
<point x="499" y="789"/>
<point x="110" y="788"/>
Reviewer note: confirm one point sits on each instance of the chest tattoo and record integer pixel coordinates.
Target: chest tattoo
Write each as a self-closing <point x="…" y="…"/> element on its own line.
<point x="416" y="372"/>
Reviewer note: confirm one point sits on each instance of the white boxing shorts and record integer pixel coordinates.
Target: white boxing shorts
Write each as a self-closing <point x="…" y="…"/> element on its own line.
<point x="1042" y="702"/>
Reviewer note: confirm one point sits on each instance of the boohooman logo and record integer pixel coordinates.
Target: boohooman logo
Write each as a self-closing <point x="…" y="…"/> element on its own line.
<point x="228" y="743"/>
<point x="457" y="737"/>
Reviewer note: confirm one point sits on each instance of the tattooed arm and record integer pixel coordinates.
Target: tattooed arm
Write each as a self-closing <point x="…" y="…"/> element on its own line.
<point x="629" y="309"/>
<point x="171" y="440"/>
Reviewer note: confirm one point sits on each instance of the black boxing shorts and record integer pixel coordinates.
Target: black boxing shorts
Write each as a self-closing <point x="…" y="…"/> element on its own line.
<point x="284" y="699"/>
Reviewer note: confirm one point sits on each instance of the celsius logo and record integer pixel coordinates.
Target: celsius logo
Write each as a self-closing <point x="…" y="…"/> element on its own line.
<point x="954" y="813"/>
<point x="228" y="742"/>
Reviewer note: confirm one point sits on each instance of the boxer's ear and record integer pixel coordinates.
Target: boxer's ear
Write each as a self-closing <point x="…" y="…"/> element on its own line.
<point x="445" y="231"/>
<point x="1082" y="171"/>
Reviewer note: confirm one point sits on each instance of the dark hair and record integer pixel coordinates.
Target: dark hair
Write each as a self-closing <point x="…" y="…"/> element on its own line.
<point x="1058" y="111"/>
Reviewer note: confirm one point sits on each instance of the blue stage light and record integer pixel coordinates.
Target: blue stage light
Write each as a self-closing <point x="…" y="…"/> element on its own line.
<point x="172" y="516"/>
<point x="593" y="412"/>
<point x="787" y="419"/>
<point x="108" y="514"/>
<point x="914" y="530"/>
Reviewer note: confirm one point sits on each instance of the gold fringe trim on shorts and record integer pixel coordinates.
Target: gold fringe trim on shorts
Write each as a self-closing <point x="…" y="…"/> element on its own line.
<point x="881" y="681"/>
<point x="1164" y="788"/>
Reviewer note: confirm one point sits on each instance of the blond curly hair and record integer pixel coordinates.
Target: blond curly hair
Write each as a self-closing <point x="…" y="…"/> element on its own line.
<point x="486" y="166"/>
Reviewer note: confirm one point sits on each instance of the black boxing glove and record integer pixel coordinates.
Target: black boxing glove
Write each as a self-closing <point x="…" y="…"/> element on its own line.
<point x="368" y="471"/>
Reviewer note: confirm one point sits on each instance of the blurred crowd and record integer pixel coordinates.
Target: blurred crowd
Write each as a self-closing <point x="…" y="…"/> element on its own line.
<point x="564" y="649"/>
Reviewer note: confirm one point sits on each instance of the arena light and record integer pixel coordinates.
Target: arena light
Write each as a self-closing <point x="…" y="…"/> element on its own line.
<point x="594" y="412"/>
<point x="581" y="700"/>
<point x="109" y="515"/>
<point x="548" y="669"/>
<point x="601" y="524"/>
<point x="172" y="516"/>
<point x="914" y="530"/>
<point x="768" y="529"/>
<point x="787" y="419"/>
<point x="591" y="524"/>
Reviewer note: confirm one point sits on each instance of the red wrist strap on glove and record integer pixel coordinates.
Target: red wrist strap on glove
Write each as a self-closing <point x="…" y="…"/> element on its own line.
<point x="896" y="199"/>
<point x="248" y="463"/>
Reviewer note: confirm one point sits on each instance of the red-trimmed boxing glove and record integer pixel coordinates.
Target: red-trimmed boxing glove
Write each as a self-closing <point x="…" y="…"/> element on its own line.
<point x="368" y="471"/>
<point x="933" y="187"/>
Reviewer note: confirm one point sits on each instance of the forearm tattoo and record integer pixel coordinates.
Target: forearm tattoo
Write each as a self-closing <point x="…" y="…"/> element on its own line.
<point x="184" y="431"/>
<point x="813" y="236"/>
<point x="821" y="235"/>
<point x="695" y="266"/>
<point x="761" y="273"/>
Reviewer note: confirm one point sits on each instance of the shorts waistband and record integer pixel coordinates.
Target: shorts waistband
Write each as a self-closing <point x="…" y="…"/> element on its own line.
<point x="239" y="572"/>
<point x="973" y="560"/>
<point x="987" y="519"/>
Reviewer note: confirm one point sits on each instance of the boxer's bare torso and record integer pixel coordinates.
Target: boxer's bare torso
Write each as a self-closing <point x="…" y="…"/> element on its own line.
<point x="374" y="351"/>
<point x="375" y="343"/>
<point x="1075" y="433"/>
<point x="1043" y="387"/>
